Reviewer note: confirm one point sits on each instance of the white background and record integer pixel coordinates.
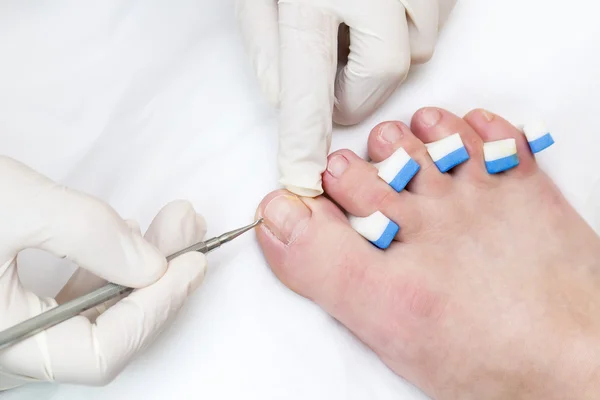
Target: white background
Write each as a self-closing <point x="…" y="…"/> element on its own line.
<point x="143" y="102"/>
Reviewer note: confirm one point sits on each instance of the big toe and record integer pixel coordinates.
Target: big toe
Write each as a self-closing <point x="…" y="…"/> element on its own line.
<point x="313" y="250"/>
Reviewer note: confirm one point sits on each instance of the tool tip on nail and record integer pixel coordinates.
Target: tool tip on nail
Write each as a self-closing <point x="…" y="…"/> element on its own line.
<point x="229" y="236"/>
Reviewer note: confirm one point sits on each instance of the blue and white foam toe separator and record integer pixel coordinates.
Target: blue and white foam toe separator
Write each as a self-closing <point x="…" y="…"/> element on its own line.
<point x="500" y="155"/>
<point x="538" y="136"/>
<point x="376" y="228"/>
<point x="448" y="152"/>
<point x="398" y="169"/>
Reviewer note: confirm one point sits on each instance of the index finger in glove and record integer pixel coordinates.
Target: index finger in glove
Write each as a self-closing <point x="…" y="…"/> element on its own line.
<point x="425" y="18"/>
<point x="378" y="62"/>
<point x="170" y="236"/>
<point x="77" y="351"/>
<point x="308" y="54"/>
<point x="175" y="227"/>
<point x="74" y="225"/>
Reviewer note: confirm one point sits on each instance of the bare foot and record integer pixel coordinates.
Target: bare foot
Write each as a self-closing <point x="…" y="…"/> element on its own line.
<point x="492" y="287"/>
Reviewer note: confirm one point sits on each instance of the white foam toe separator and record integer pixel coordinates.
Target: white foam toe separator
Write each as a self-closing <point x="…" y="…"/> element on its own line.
<point x="376" y="228"/>
<point x="398" y="169"/>
<point x="500" y="155"/>
<point x="538" y="136"/>
<point x="448" y="152"/>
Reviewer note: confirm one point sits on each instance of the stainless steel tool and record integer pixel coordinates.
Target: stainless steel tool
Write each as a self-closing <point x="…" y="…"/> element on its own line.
<point x="76" y="306"/>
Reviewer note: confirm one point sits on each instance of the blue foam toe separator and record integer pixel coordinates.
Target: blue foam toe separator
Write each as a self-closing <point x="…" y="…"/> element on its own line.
<point x="387" y="236"/>
<point x="405" y="175"/>
<point x="452" y="160"/>
<point x="542" y="143"/>
<point x="502" y="164"/>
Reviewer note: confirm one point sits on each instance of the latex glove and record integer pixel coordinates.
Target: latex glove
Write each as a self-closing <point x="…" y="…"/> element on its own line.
<point x="293" y="45"/>
<point x="37" y="213"/>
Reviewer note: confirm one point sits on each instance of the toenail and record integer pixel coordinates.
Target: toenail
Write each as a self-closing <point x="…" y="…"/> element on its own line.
<point x="390" y="133"/>
<point x="488" y="116"/>
<point x="286" y="217"/>
<point x="337" y="165"/>
<point x="430" y="116"/>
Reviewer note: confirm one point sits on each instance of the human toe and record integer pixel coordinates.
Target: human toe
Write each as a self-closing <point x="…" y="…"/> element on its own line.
<point x="506" y="148"/>
<point x="451" y="142"/>
<point x="378" y="211"/>
<point x="388" y="139"/>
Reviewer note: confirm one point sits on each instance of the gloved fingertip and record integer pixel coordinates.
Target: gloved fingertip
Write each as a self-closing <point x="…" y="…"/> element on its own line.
<point x="147" y="263"/>
<point x="134" y="226"/>
<point x="446" y="7"/>
<point x="191" y="269"/>
<point x="193" y="225"/>
<point x="302" y="179"/>
<point x="301" y="168"/>
<point x="304" y="191"/>
<point x="199" y="261"/>
<point x="200" y="227"/>
<point x="345" y="118"/>
<point x="349" y="110"/>
<point x="422" y="44"/>
<point x="178" y="207"/>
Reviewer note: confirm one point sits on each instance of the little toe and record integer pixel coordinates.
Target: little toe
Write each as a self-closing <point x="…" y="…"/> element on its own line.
<point x="502" y="139"/>
<point x="451" y="142"/>
<point x="358" y="188"/>
<point x="388" y="138"/>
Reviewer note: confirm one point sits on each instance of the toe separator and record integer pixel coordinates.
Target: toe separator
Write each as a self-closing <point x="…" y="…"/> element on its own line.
<point x="538" y="136"/>
<point x="376" y="228"/>
<point x="500" y="155"/>
<point x="398" y="169"/>
<point x="448" y="152"/>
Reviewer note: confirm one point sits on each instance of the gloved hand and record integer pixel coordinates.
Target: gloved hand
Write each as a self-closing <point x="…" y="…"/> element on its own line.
<point x="293" y="45"/>
<point x="38" y="213"/>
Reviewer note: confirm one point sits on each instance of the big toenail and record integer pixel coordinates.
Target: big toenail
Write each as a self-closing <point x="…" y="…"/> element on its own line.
<point x="390" y="133"/>
<point x="286" y="216"/>
<point x="337" y="165"/>
<point x="430" y="116"/>
<point x="487" y="115"/>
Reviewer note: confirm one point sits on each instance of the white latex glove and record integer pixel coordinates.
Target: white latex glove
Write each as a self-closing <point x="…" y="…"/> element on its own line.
<point x="38" y="213"/>
<point x="293" y="45"/>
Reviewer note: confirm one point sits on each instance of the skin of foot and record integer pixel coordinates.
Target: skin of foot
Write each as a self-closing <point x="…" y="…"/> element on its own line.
<point x="491" y="289"/>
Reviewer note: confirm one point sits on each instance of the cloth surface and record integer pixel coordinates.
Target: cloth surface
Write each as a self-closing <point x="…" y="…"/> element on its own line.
<point x="142" y="102"/>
